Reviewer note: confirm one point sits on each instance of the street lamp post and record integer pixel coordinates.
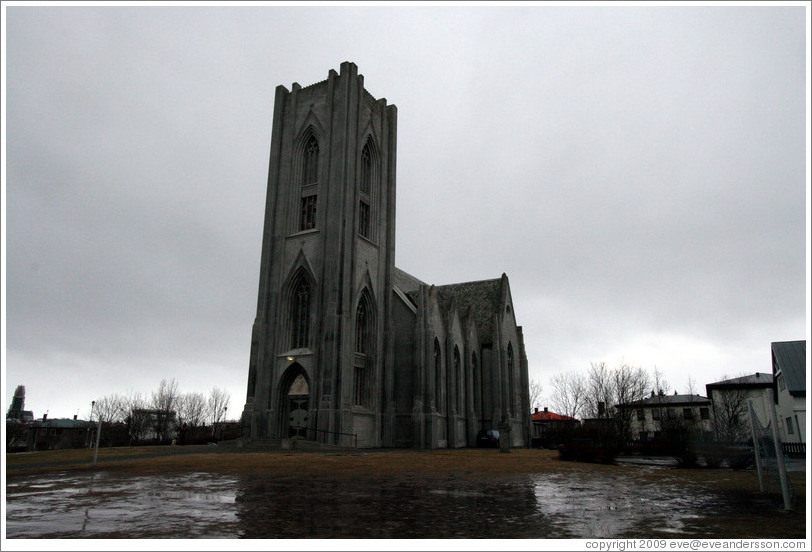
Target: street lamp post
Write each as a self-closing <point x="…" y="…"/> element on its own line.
<point x="98" y="438"/>
<point x="90" y="425"/>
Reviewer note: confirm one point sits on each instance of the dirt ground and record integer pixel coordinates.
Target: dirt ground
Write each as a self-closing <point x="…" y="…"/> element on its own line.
<point x="747" y="513"/>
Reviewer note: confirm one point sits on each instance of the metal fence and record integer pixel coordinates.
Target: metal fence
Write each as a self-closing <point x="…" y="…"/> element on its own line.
<point x="316" y="432"/>
<point x="794" y="449"/>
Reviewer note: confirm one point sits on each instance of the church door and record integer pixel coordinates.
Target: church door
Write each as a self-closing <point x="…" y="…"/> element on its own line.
<point x="297" y="419"/>
<point x="297" y="404"/>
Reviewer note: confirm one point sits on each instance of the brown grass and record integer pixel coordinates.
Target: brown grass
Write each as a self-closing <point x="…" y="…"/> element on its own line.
<point x="740" y="486"/>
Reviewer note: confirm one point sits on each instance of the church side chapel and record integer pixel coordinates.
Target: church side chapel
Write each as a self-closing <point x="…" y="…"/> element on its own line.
<point x="347" y="349"/>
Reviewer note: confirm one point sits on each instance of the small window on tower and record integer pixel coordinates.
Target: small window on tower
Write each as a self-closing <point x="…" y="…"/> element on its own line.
<point x="308" y="213"/>
<point x="363" y="223"/>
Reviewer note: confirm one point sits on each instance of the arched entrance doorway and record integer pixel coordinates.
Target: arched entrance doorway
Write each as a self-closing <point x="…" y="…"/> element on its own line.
<point x="295" y="403"/>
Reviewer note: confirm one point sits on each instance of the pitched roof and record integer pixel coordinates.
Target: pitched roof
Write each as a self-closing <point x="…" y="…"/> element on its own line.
<point x="483" y="297"/>
<point x="668" y="400"/>
<point x="789" y="357"/>
<point x="759" y="379"/>
<point x="551" y="416"/>
<point x="405" y="281"/>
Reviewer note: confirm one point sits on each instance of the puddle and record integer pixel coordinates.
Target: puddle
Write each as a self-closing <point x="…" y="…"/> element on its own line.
<point x="202" y="505"/>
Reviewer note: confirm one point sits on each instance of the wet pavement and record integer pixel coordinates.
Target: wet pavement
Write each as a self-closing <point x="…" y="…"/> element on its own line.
<point x="205" y="505"/>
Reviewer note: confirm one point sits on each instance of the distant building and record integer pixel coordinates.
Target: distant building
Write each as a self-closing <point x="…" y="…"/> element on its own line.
<point x="657" y="416"/>
<point x="550" y="428"/>
<point x="731" y="397"/>
<point x="17" y="410"/>
<point x="789" y="371"/>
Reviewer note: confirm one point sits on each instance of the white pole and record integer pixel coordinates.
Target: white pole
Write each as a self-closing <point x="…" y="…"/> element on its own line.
<point x="98" y="437"/>
<point x="779" y="454"/>
<point x="753" y="422"/>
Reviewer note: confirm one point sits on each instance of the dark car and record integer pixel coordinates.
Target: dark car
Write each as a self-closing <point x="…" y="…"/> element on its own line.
<point x="488" y="438"/>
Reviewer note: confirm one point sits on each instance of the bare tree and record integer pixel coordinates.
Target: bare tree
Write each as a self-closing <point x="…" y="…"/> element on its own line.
<point x="535" y="394"/>
<point x="138" y="419"/>
<point x="191" y="409"/>
<point x="164" y="403"/>
<point x="569" y="394"/>
<point x="217" y="407"/>
<point x="600" y="391"/>
<point x="692" y="390"/>
<point x="730" y="421"/>
<point x="661" y="385"/>
<point x="110" y="408"/>
<point x="629" y="384"/>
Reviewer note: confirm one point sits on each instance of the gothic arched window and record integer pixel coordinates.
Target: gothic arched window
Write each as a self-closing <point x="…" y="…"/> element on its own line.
<point x="366" y="188"/>
<point x="364" y="349"/>
<point x="366" y="169"/>
<point x="311" y="162"/>
<point x="438" y="376"/>
<point x="458" y="377"/>
<point x="510" y="393"/>
<point x="310" y="180"/>
<point x="300" y="312"/>
<point x="477" y="385"/>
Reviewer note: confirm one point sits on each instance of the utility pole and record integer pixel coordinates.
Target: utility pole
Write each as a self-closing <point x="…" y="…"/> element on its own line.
<point x="98" y="438"/>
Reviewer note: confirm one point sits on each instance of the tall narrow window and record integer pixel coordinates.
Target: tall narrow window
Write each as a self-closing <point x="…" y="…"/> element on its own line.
<point x="363" y="219"/>
<point x="477" y="385"/>
<point x="510" y="378"/>
<point x="300" y="314"/>
<point x="308" y="212"/>
<point x="366" y="170"/>
<point x="311" y="162"/>
<point x="309" y="185"/>
<point x="458" y="377"/>
<point x="438" y="377"/>
<point x="364" y="350"/>
<point x="365" y="188"/>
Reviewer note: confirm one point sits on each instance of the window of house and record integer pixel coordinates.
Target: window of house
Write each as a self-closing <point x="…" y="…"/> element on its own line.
<point x="641" y="415"/>
<point x="655" y="413"/>
<point x="687" y="413"/>
<point x="704" y="413"/>
<point x="671" y="413"/>
<point x="789" y="426"/>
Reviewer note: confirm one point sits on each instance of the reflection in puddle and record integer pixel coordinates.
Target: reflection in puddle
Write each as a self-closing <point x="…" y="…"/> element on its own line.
<point x="202" y="505"/>
<point x="599" y="507"/>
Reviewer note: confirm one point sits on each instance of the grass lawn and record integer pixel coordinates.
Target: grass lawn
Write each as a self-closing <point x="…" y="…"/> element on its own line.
<point x="752" y="515"/>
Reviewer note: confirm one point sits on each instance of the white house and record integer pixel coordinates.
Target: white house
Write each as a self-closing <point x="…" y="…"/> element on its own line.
<point x="789" y="372"/>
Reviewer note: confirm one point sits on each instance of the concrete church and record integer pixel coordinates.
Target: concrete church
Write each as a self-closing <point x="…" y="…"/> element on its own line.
<point x="346" y="348"/>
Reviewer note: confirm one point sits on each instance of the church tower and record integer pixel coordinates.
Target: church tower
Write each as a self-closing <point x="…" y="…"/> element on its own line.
<point x="321" y="351"/>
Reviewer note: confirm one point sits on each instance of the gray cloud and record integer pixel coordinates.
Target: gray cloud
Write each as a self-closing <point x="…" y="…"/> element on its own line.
<point x="638" y="172"/>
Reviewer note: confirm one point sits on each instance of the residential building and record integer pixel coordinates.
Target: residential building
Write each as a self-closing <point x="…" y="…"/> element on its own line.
<point x="550" y="428"/>
<point x="789" y="372"/>
<point x="731" y="397"/>
<point x="661" y="415"/>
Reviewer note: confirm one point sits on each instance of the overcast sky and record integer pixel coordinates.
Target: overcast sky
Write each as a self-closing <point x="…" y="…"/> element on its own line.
<point x="638" y="172"/>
